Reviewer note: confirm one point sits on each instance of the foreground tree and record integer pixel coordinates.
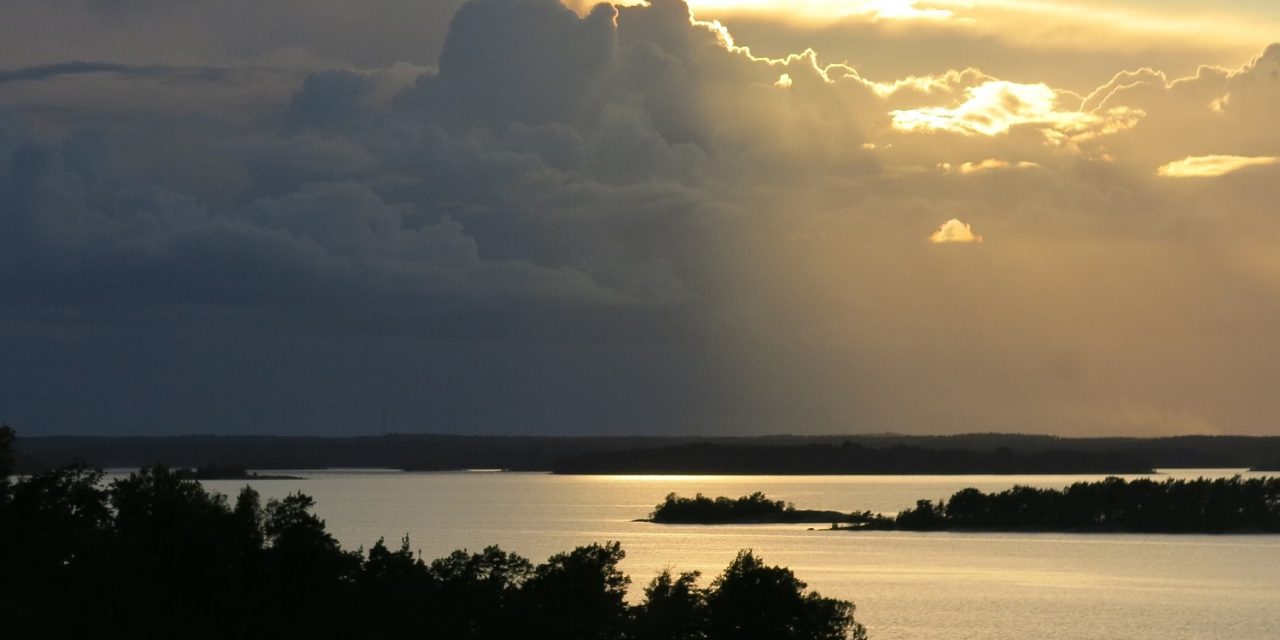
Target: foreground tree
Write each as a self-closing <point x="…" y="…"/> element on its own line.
<point x="674" y="608"/>
<point x="754" y="601"/>
<point x="579" y="595"/>
<point x="6" y="457"/>
<point x="56" y="548"/>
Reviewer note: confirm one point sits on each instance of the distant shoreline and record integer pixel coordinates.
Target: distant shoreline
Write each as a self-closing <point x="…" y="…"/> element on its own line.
<point x="868" y="454"/>
<point x="847" y="458"/>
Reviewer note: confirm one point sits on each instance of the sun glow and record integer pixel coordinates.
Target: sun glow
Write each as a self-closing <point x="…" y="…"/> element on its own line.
<point x="1090" y="22"/>
<point x="827" y="9"/>
<point x="812" y="10"/>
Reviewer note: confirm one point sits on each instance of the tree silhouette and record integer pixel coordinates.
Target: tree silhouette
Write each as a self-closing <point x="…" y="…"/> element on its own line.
<point x="578" y="595"/>
<point x="55" y="547"/>
<point x="753" y="601"/>
<point x="478" y="593"/>
<point x="6" y="456"/>
<point x="674" y="608"/>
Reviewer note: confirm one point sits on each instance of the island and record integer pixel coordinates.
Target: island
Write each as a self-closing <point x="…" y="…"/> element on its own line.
<point x="216" y="472"/>
<point x="1113" y="505"/>
<point x="753" y="509"/>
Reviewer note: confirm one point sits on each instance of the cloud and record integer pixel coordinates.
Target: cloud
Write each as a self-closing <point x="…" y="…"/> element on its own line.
<point x="50" y="71"/>
<point x="1212" y="166"/>
<point x="954" y="231"/>
<point x="985" y="166"/>
<point x="615" y="221"/>
<point x="899" y="10"/>
<point x="994" y="107"/>
<point x="1043" y="24"/>
<point x="1216" y="111"/>
<point x="328" y="99"/>
<point x="819" y="11"/>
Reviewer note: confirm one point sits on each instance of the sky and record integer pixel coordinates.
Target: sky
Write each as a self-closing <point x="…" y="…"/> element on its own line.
<point x="728" y="217"/>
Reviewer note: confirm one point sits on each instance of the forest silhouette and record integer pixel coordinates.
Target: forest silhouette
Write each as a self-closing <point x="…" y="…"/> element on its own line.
<point x="155" y="555"/>
<point x="1203" y="505"/>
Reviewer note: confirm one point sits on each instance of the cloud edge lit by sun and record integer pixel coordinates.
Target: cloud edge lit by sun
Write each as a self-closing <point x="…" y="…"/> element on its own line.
<point x="955" y="231"/>
<point x="1212" y="166"/>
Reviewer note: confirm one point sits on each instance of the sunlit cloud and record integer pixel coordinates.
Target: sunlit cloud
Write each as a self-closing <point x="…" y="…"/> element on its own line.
<point x="985" y="166"/>
<point x="954" y="231"/>
<point x="1212" y="166"/>
<point x="995" y="106"/>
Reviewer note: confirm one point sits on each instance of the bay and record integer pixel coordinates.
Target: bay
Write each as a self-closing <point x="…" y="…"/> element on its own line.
<point x="924" y="586"/>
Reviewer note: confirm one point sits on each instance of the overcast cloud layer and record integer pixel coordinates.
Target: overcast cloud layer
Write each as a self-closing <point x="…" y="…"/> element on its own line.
<point x="519" y="217"/>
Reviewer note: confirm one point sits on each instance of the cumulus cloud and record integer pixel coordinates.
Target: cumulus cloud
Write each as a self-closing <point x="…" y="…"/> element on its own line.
<point x="954" y="231"/>
<point x="1216" y="111"/>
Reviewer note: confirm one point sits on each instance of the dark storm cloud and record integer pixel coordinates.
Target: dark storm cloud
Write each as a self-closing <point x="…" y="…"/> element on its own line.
<point x="348" y="219"/>
<point x="328" y="99"/>
<point x="218" y="32"/>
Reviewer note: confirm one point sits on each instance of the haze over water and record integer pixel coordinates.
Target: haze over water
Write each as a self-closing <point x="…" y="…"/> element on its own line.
<point x="923" y="586"/>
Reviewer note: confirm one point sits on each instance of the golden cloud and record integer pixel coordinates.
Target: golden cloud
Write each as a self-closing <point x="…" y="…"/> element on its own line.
<point x="995" y="106"/>
<point x="988" y="165"/>
<point x="954" y="231"/>
<point x="812" y="11"/>
<point x="1212" y="166"/>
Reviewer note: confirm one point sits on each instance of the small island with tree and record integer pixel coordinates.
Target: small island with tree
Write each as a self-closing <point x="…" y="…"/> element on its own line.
<point x="222" y="472"/>
<point x="1113" y="505"/>
<point x="753" y="509"/>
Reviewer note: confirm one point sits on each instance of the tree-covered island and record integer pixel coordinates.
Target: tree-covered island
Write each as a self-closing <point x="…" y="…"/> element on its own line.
<point x="753" y="509"/>
<point x="228" y="472"/>
<point x="1222" y="505"/>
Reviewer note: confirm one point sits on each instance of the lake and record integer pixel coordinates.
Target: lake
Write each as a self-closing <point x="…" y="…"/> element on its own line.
<point x="920" y="586"/>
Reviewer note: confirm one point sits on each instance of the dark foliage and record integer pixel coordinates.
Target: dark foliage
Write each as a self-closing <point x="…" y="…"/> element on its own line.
<point x="210" y="471"/>
<point x="752" y="601"/>
<point x="154" y="555"/>
<point x="755" y="508"/>
<point x="1222" y="505"/>
<point x="674" y="608"/>
<point x="6" y="459"/>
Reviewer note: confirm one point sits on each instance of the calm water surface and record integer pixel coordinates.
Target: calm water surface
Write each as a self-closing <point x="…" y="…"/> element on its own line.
<point x="922" y="586"/>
